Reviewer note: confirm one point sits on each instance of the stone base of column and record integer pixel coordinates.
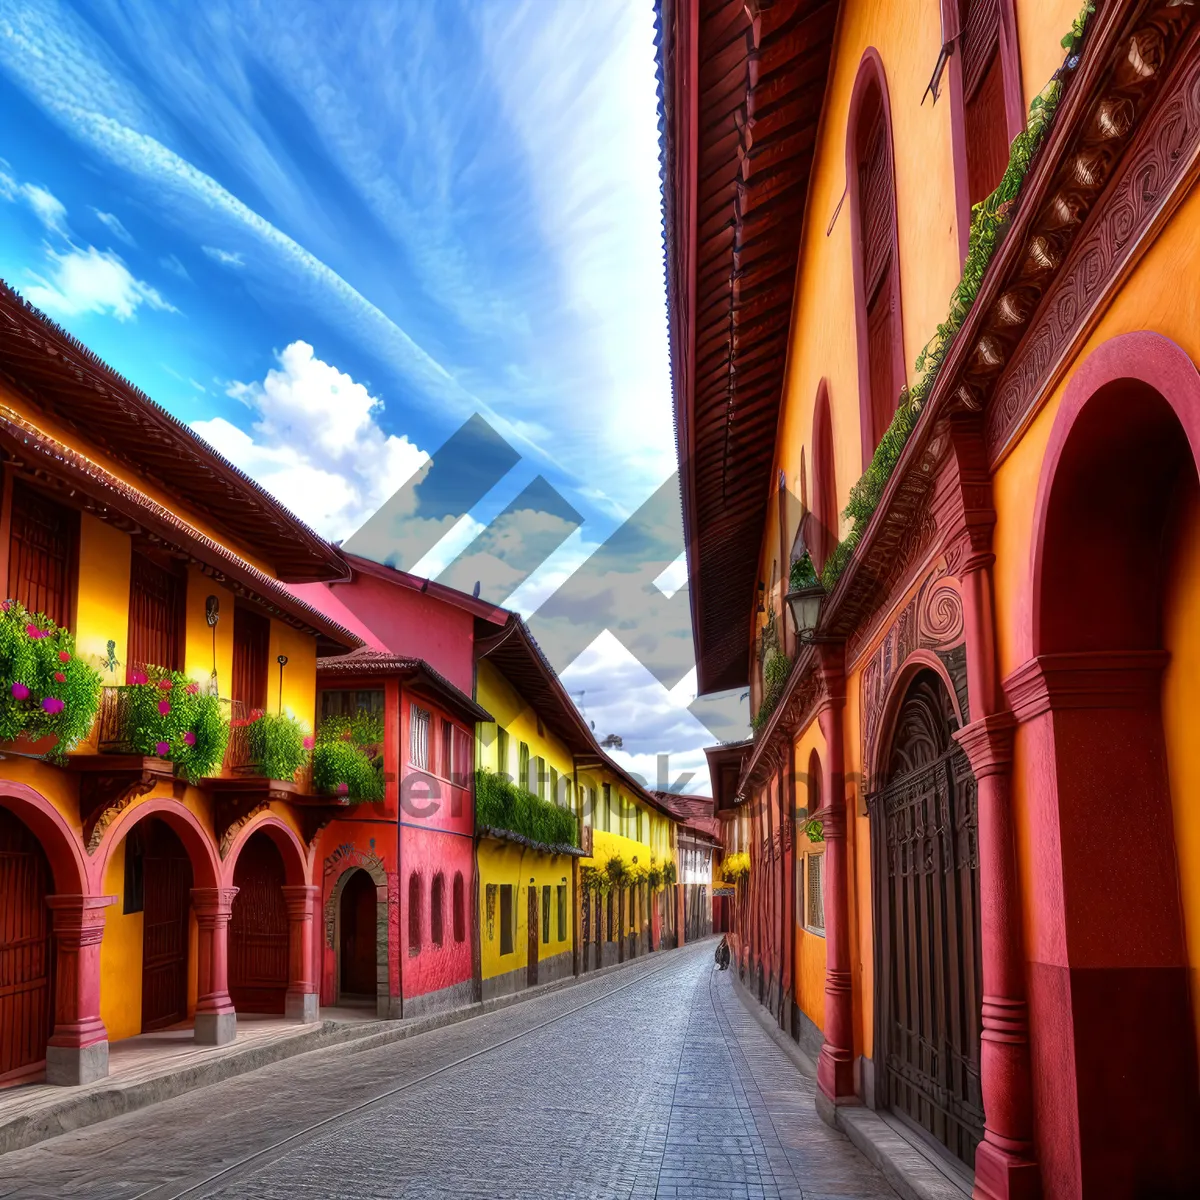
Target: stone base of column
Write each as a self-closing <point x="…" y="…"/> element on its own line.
<point x="72" y="1066"/>
<point x="1003" y="1176"/>
<point x="302" y="1006"/>
<point x="215" y="1028"/>
<point x="835" y="1081"/>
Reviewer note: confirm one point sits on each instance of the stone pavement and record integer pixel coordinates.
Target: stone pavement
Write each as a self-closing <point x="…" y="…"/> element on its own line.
<point x="652" y="1082"/>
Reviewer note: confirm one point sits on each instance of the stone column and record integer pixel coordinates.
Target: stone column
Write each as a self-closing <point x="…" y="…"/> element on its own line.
<point x="216" y="1020"/>
<point x="301" y="1002"/>
<point x="835" y="1067"/>
<point x="77" y="1051"/>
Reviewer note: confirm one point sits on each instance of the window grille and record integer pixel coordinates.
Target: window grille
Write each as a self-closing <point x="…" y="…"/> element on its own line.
<point x="418" y="739"/>
<point x="41" y="555"/>
<point x="816" y="893"/>
<point x="156" y="616"/>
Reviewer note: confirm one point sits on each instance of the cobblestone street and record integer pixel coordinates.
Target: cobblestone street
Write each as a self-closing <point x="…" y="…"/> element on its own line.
<point x="639" y="1084"/>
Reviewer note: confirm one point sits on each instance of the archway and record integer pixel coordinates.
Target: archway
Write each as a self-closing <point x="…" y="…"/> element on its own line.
<point x="26" y="951"/>
<point x="1109" y="771"/>
<point x="258" y="928"/>
<point x="357" y="929"/>
<point x="928" y="993"/>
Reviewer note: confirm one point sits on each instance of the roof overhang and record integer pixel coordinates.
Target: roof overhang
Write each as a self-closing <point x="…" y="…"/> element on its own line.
<point x="725" y="771"/>
<point x="80" y="392"/>
<point x="742" y="96"/>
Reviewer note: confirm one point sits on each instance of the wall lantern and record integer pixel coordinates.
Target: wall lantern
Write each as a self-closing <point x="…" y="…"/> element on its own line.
<point x="282" y="660"/>
<point x="805" y="605"/>
<point x="212" y="614"/>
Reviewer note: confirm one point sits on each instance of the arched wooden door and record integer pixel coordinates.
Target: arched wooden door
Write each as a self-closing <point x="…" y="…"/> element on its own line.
<point x="258" y="929"/>
<point x="26" y="951"/>
<point x="357" y="920"/>
<point x="167" y="886"/>
<point x="928" y="965"/>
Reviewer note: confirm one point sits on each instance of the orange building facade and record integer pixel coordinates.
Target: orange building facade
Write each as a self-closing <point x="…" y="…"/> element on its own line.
<point x="970" y="802"/>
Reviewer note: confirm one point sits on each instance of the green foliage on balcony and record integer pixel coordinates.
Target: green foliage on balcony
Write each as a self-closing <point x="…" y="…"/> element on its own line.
<point x="46" y="689"/>
<point x="501" y="804"/>
<point x="347" y="758"/>
<point x="277" y="745"/>
<point x="165" y="714"/>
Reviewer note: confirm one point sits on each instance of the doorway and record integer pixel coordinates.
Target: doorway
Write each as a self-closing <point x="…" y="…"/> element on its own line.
<point x="531" y="969"/>
<point x="258" y="929"/>
<point x="358" y="920"/>
<point x="929" y="989"/>
<point x="26" y="951"/>
<point x="167" y="886"/>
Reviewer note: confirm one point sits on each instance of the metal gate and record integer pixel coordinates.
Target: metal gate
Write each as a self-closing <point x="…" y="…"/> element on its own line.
<point x="928" y="968"/>
<point x="26" y="953"/>
<point x="258" y="930"/>
<point x="168" y="885"/>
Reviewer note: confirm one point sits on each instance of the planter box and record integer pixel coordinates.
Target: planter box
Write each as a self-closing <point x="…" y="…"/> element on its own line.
<point x="30" y="748"/>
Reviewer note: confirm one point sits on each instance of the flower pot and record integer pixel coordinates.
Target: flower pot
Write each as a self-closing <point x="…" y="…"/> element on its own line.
<point x="30" y="747"/>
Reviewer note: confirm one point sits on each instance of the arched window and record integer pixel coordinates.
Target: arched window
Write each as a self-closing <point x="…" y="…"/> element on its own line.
<point x="414" y="914"/>
<point x="460" y="909"/>
<point x="986" y="110"/>
<point x="437" y="901"/>
<point x="871" y="180"/>
<point x="821" y="527"/>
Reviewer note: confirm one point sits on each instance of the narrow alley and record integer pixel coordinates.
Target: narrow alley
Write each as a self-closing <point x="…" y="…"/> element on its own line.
<point x="653" y="1081"/>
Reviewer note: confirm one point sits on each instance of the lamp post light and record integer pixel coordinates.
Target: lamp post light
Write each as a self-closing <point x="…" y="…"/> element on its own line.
<point x="282" y="660"/>
<point x="805" y="606"/>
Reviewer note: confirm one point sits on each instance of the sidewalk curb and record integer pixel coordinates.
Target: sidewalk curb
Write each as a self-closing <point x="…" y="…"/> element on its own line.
<point x="800" y="1060"/>
<point x="105" y="1099"/>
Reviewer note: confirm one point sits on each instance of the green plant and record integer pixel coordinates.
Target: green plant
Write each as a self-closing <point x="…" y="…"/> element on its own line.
<point x="670" y="873"/>
<point x="989" y="222"/>
<point x="775" y="674"/>
<point x="45" y="687"/>
<point x="165" y="714"/>
<point x="814" y="831"/>
<point x="594" y="879"/>
<point x="802" y="574"/>
<point x="654" y="876"/>
<point x="501" y="804"/>
<point x="278" y="744"/>
<point x="617" y="871"/>
<point x="347" y="757"/>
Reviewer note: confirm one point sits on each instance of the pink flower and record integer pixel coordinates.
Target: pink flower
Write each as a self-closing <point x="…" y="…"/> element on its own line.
<point x="189" y="738"/>
<point x="164" y="707"/>
<point x="5" y="606"/>
<point x="164" y="685"/>
<point x="34" y="632"/>
<point x="60" y="677"/>
<point x="343" y="789"/>
<point x="162" y="749"/>
<point x="64" y="656"/>
<point x="137" y="677"/>
<point x="20" y="691"/>
<point x="308" y="743"/>
<point x="192" y="688"/>
<point x="255" y="713"/>
<point x="52" y="704"/>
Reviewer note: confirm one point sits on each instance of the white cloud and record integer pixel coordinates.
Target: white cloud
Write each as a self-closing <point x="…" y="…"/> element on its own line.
<point x="47" y="207"/>
<point x="227" y="258"/>
<point x="113" y="224"/>
<point x="92" y="281"/>
<point x="171" y="263"/>
<point x="316" y="443"/>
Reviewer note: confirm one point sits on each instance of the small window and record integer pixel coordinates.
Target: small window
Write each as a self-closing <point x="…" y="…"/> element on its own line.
<point x="562" y="912"/>
<point x="546" y="914"/>
<point x="506" y="918"/>
<point x="554" y="785"/>
<point x="446" y="765"/>
<point x="460" y="909"/>
<point x="541" y="778"/>
<point x="460" y="757"/>
<point x="815" y="895"/>
<point x="414" y="914"/>
<point x="42" y="553"/>
<point x="436" y="902"/>
<point x="348" y="702"/>
<point x="418" y="739"/>
<point x="523" y="767"/>
<point x="606" y="808"/>
<point x="501" y="751"/>
<point x="489" y="897"/>
<point x="156" y="615"/>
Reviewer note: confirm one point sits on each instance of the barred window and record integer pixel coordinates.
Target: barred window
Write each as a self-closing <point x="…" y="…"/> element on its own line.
<point x="418" y="739"/>
<point x="562" y="912"/>
<point x="815" y="894"/>
<point x="545" y="914"/>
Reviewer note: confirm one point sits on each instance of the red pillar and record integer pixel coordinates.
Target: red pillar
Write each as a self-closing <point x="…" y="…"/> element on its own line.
<point x="216" y="1020"/>
<point x="301" y="1002"/>
<point x="835" y="1067"/>
<point x="1005" y="1166"/>
<point x="77" y="1051"/>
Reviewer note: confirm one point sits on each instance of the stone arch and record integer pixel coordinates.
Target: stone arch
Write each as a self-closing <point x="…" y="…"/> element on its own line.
<point x="378" y="873"/>
<point x="197" y="841"/>
<point x="61" y="844"/>
<point x="295" y="857"/>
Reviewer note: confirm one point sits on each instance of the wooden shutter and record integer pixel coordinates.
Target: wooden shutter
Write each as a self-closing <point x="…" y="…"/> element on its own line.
<point x="41" y="554"/>
<point x="156" y="616"/>
<point x="880" y="352"/>
<point x="251" y="646"/>
<point x="985" y="120"/>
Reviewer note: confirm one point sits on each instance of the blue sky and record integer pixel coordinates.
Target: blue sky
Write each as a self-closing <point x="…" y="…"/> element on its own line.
<point x="328" y="234"/>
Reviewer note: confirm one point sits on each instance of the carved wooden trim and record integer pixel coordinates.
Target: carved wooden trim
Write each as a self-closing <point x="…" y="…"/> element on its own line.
<point x="1151" y="180"/>
<point x="235" y="826"/>
<point x="103" y="797"/>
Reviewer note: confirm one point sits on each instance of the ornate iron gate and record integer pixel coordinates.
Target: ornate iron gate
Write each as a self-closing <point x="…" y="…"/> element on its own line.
<point x="928" y="967"/>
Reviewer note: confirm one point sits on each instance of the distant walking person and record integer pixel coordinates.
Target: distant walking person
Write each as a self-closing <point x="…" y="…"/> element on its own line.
<point x="722" y="954"/>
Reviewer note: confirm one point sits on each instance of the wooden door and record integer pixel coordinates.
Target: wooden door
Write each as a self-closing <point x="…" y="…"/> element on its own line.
<point x="156" y="616"/>
<point x="167" y="898"/>
<point x="358" y="917"/>
<point x="929" y="969"/>
<point x="42" y="553"/>
<point x="251" y="647"/>
<point x="258" y="929"/>
<point x="26" y="951"/>
<point x="531" y="970"/>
